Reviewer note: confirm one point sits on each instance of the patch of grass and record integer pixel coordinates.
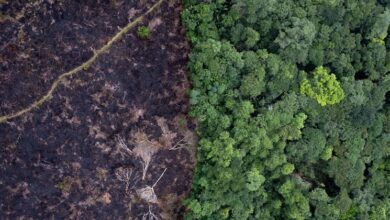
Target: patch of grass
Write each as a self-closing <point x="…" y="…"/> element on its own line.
<point x="143" y="32"/>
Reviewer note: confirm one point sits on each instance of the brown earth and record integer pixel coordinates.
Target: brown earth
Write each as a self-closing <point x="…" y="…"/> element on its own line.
<point x="84" y="154"/>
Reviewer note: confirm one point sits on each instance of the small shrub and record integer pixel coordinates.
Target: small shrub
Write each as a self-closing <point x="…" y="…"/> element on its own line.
<point x="143" y="33"/>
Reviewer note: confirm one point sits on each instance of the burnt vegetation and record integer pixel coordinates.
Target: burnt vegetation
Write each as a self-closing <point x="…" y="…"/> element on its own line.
<point x="99" y="146"/>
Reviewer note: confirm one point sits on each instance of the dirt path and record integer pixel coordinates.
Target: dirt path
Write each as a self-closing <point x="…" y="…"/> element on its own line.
<point x="108" y="132"/>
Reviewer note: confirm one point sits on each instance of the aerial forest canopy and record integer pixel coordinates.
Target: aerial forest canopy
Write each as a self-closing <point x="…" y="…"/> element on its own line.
<point x="293" y="103"/>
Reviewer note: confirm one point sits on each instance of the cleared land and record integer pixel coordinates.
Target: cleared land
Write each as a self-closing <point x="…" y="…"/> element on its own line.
<point x="108" y="132"/>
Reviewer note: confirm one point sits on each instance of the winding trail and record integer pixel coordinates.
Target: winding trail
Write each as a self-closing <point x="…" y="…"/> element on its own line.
<point x="83" y="66"/>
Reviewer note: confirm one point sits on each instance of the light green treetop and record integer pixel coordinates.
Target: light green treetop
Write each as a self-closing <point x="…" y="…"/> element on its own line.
<point x="323" y="87"/>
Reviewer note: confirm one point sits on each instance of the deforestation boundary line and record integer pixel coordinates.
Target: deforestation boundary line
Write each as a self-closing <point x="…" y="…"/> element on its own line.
<point x="83" y="66"/>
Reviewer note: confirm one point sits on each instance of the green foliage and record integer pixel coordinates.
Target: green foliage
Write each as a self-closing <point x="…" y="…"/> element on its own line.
<point x="324" y="87"/>
<point x="251" y="37"/>
<point x="254" y="180"/>
<point x="199" y="22"/>
<point x="295" y="39"/>
<point x="143" y="32"/>
<point x="275" y="141"/>
<point x="327" y="153"/>
<point x="253" y="84"/>
<point x="380" y="27"/>
<point x="287" y="168"/>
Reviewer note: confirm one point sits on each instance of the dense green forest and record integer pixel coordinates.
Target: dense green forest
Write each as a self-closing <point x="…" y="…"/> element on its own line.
<point x="293" y="104"/>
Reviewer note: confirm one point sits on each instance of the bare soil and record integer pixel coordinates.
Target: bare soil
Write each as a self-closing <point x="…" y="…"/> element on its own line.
<point x="84" y="153"/>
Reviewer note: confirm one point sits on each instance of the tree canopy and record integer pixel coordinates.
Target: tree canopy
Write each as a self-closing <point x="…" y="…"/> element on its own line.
<point x="293" y="103"/>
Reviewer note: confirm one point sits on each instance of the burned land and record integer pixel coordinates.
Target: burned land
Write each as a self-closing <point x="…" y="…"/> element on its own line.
<point x="114" y="140"/>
